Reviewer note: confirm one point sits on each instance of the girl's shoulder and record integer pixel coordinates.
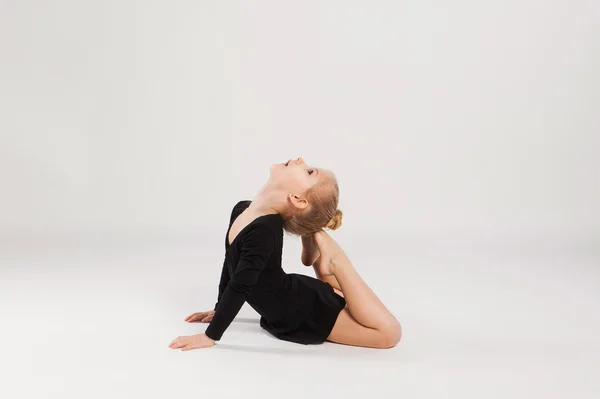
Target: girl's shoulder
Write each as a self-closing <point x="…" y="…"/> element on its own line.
<point x="238" y="208"/>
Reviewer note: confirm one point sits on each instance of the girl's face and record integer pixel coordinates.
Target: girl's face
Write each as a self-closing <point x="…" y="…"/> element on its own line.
<point x="295" y="176"/>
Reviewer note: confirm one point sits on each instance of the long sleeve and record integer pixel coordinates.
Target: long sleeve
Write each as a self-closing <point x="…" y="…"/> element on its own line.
<point x="222" y="282"/>
<point x="256" y="250"/>
<point x="224" y="272"/>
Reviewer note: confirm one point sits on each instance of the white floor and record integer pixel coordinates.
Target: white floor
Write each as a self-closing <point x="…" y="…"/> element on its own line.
<point x="482" y="318"/>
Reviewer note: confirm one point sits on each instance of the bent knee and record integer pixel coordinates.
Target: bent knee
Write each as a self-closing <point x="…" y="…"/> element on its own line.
<point x="390" y="336"/>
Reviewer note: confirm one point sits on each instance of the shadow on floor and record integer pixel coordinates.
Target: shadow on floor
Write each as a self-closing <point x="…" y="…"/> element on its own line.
<point x="246" y="320"/>
<point x="325" y="350"/>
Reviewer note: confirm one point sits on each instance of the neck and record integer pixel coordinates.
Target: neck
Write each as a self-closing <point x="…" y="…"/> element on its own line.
<point x="266" y="201"/>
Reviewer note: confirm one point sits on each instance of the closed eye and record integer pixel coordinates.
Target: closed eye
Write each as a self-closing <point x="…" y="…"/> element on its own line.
<point x="310" y="172"/>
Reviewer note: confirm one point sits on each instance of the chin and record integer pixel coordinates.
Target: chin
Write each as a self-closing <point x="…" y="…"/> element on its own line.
<point x="274" y="170"/>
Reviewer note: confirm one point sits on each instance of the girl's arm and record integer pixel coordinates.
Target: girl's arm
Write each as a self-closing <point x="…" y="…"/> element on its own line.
<point x="222" y="282"/>
<point x="257" y="248"/>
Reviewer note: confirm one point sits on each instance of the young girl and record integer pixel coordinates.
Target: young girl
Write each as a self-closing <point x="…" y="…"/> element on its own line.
<point x="337" y="306"/>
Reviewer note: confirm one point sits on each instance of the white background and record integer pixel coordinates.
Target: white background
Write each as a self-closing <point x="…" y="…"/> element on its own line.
<point x="156" y="114"/>
<point x="465" y="134"/>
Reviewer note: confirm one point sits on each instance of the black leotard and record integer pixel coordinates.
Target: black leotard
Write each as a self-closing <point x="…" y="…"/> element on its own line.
<point x="293" y="307"/>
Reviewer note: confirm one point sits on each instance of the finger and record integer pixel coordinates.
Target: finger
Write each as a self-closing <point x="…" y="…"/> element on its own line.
<point x="196" y="317"/>
<point x="179" y="342"/>
<point x="190" y="317"/>
<point x="188" y="347"/>
<point x="177" y="345"/>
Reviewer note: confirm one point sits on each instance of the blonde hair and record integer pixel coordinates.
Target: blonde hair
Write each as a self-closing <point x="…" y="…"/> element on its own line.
<point x="322" y="211"/>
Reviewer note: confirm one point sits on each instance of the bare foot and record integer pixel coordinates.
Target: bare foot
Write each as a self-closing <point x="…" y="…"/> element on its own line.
<point x="331" y="253"/>
<point x="310" y="251"/>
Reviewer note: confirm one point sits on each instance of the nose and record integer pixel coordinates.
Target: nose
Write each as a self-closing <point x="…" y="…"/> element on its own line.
<point x="300" y="160"/>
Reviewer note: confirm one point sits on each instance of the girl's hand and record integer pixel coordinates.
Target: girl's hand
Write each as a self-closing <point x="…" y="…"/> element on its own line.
<point x="192" y="342"/>
<point x="202" y="317"/>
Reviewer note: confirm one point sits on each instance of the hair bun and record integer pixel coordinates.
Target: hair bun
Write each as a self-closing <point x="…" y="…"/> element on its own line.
<point x="336" y="221"/>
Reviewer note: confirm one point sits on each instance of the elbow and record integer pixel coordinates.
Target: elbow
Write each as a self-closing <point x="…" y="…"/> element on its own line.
<point x="241" y="289"/>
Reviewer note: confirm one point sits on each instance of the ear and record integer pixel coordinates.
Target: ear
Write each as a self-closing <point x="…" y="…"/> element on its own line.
<point x="298" y="202"/>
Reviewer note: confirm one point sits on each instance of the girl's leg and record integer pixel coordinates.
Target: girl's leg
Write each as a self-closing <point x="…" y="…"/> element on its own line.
<point x="328" y="279"/>
<point x="365" y="321"/>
